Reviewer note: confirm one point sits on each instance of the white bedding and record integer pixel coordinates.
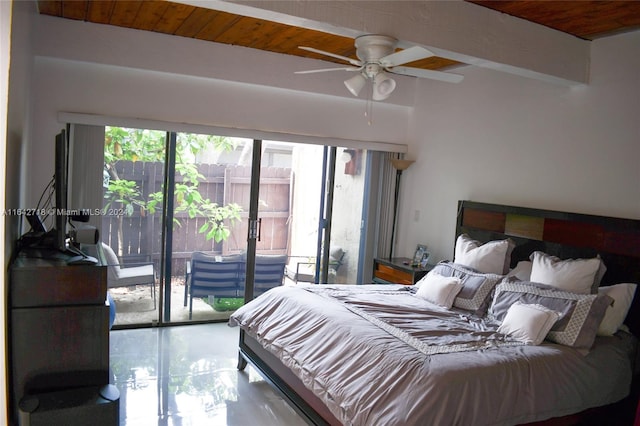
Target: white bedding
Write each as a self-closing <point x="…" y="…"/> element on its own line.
<point x="379" y="355"/>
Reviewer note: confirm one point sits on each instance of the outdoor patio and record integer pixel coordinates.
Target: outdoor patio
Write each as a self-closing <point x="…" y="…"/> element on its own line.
<point x="134" y="305"/>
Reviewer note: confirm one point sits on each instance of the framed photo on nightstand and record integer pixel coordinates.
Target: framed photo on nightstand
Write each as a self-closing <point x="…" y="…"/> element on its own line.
<point x="420" y="256"/>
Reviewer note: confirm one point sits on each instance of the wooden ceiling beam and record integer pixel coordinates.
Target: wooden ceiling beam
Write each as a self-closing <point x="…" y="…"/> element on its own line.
<point x="455" y="30"/>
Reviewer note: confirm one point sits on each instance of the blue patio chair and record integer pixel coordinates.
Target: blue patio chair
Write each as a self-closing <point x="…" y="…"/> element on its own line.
<point x="208" y="277"/>
<point x="224" y="277"/>
<point x="269" y="273"/>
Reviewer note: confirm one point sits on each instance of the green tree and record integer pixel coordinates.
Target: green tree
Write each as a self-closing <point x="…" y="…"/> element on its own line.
<point x="149" y="145"/>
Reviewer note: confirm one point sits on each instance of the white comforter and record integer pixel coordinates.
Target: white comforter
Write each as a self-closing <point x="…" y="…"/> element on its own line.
<point x="378" y="355"/>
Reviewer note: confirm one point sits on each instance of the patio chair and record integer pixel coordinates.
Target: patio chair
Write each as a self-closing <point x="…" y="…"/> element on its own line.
<point x="120" y="275"/>
<point x="269" y="273"/>
<point x="207" y="276"/>
<point x="187" y="274"/>
<point x="305" y="270"/>
<point x="224" y="277"/>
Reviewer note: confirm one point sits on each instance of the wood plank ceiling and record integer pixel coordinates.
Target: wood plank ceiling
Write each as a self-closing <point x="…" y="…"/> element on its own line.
<point x="585" y="19"/>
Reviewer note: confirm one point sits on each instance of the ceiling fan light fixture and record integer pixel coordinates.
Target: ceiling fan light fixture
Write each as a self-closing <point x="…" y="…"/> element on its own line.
<point x="383" y="86"/>
<point x="355" y="84"/>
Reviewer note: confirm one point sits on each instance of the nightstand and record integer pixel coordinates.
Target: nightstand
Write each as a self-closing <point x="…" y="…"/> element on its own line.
<point x="397" y="271"/>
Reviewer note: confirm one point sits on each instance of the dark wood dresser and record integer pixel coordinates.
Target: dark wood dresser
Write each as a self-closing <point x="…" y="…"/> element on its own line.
<point x="58" y="327"/>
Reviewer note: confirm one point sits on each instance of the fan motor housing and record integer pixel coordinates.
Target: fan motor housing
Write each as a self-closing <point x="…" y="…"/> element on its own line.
<point x="370" y="48"/>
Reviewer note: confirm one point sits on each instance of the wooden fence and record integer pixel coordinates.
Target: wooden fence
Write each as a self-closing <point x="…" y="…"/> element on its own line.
<point x="222" y="184"/>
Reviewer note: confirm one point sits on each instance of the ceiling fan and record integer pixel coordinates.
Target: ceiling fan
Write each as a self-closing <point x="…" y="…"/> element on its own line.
<point x="377" y="57"/>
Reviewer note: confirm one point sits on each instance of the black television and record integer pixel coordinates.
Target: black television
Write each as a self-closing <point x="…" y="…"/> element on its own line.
<point x="56" y="243"/>
<point x="61" y="212"/>
<point x="61" y="189"/>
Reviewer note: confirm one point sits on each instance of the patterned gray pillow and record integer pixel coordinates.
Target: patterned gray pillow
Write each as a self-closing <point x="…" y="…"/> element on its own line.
<point x="580" y="314"/>
<point x="477" y="286"/>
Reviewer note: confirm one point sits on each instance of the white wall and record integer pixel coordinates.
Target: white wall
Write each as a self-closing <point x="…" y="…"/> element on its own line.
<point x="98" y="69"/>
<point x="504" y="139"/>
<point x="5" y="49"/>
<point x="16" y="64"/>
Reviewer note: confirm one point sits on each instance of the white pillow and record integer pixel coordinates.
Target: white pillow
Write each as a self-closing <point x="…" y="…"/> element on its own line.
<point x="528" y="323"/>
<point x="440" y="290"/>
<point x="492" y="257"/>
<point x="622" y="295"/>
<point x="574" y="275"/>
<point x="522" y="271"/>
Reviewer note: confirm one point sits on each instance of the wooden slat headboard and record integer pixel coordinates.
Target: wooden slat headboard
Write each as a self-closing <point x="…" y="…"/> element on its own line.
<point x="565" y="235"/>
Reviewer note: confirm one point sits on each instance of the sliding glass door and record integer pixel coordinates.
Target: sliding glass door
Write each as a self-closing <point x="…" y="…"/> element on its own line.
<point x="171" y="195"/>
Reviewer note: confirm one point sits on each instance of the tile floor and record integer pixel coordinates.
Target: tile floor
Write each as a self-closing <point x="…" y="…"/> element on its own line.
<point x="186" y="375"/>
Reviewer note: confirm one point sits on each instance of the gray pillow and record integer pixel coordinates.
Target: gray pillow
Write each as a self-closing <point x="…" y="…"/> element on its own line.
<point x="580" y="314"/>
<point x="477" y="286"/>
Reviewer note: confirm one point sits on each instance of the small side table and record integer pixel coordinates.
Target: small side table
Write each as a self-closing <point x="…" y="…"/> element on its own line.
<point x="397" y="270"/>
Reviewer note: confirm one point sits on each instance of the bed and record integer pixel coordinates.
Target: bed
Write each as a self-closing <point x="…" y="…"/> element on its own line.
<point x="392" y="354"/>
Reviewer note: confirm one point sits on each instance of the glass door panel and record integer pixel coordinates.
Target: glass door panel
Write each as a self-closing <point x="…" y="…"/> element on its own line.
<point x="211" y="204"/>
<point x="288" y="210"/>
<point x="347" y="222"/>
<point x="131" y="223"/>
<point x="312" y="218"/>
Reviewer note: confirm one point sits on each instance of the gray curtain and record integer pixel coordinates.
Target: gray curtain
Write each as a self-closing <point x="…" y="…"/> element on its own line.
<point x="387" y="181"/>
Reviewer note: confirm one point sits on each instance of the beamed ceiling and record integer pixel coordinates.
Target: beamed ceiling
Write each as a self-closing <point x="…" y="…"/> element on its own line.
<point x="584" y="19"/>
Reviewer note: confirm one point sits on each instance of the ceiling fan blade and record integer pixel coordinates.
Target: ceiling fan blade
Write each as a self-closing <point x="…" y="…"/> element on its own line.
<point x="333" y="55"/>
<point x="329" y="69"/>
<point x="434" y="75"/>
<point x="404" y="56"/>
